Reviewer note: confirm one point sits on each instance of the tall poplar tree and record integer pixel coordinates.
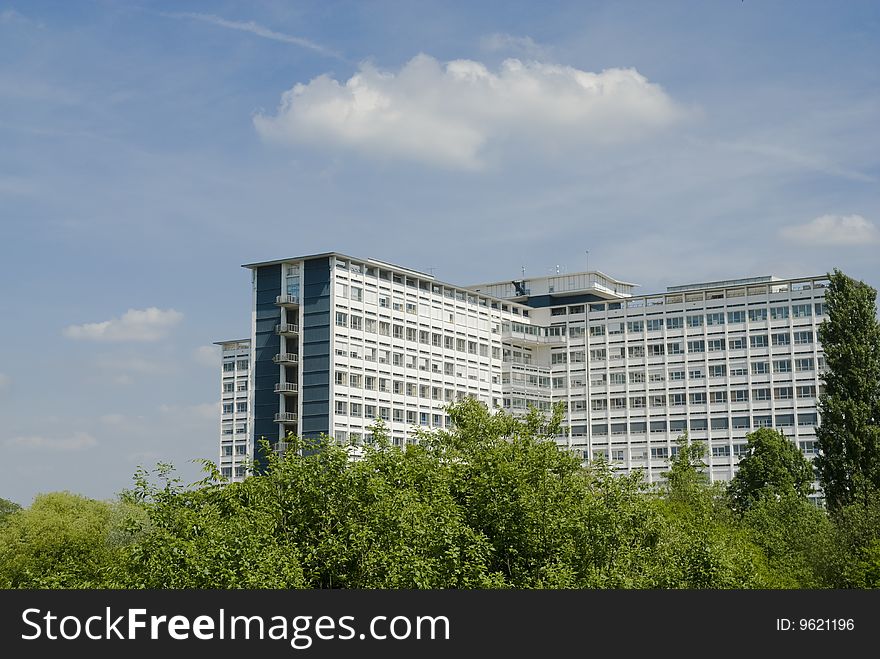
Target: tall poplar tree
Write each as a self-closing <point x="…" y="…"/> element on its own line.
<point x="849" y="435"/>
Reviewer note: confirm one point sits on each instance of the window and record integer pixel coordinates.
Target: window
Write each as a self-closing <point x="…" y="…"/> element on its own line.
<point x="677" y="400"/>
<point x="596" y="354"/>
<point x="675" y="322"/>
<point x="720" y="451"/>
<point x="341" y="407"/>
<point x="242" y="364"/>
<point x="810" y="447"/>
<point x="695" y="321"/>
<point x="635" y="326"/>
<point x="758" y="341"/>
<point x="719" y="423"/>
<point x="806" y="391"/>
<point x="738" y="370"/>
<point x="357" y="294"/>
<point x="341" y="319"/>
<point x="736" y="342"/>
<point x="618" y="403"/>
<point x="658" y="400"/>
<point x="356" y="409"/>
<point x="756" y="315"/>
<point x="736" y="316"/>
<point x="228" y="366"/>
<point x="696" y="346"/>
<point x="717" y="396"/>
<point x="636" y="377"/>
<point x="782" y="339"/>
<point x="597" y="330"/>
<point x="637" y="402"/>
<point x="674" y="348"/>
<point x="760" y="368"/>
<point x="820" y="309"/>
<point x="778" y="313"/>
<point x="227" y="408"/>
<point x="783" y="393"/>
<point x="782" y="366"/>
<point x="740" y="422"/>
<point x="228" y="387"/>
<point x="558" y="358"/>
<point x="695" y="374"/>
<point x="803" y="364"/>
<point x="807" y="419"/>
<point x="655" y="324"/>
<point x="617" y="378"/>
<point x="714" y="319"/>
<point x="241" y="408"/>
<point x="698" y="398"/>
<point x="659" y="452"/>
<point x="597" y="405"/>
<point x="784" y="420"/>
<point x="800" y="338"/>
<point x="800" y="310"/>
<point x="636" y="351"/>
<point x="658" y="426"/>
<point x="715" y="344"/>
<point x="717" y="370"/>
<point x="699" y="424"/>
<point x="739" y="396"/>
<point x="762" y="393"/>
<point x="655" y="350"/>
<point x="739" y="450"/>
<point x="676" y="375"/>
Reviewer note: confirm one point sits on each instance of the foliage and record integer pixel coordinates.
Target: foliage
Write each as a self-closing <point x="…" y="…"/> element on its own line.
<point x="58" y="542"/>
<point x="772" y="466"/>
<point x="490" y="502"/>
<point x="849" y="436"/>
<point x="7" y="508"/>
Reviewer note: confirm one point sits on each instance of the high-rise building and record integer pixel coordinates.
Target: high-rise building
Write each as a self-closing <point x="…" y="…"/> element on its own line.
<point x="235" y="435"/>
<point x="339" y="341"/>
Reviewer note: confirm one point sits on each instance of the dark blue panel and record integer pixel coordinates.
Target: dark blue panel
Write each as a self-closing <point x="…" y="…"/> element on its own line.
<point x="314" y="334"/>
<point x="316" y="348"/>
<point x="266" y="346"/>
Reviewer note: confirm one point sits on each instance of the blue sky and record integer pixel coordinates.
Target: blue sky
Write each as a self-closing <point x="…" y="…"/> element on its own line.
<point x="148" y="149"/>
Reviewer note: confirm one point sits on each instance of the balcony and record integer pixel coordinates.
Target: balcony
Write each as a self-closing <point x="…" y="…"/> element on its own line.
<point x="287" y="329"/>
<point x="285" y="417"/>
<point x="286" y="388"/>
<point x="288" y="301"/>
<point x="286" y="358"/>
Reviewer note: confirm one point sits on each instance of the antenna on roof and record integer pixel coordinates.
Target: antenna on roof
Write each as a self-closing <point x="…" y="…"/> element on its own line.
<point x="523" y="270"/>
<point x="588" y="260"/>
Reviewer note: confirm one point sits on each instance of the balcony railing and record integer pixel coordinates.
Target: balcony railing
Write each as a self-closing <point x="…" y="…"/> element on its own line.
<point x="286" y="358"/>
<point x="286" y="388"/>
<point x="285" y="417"/>
<point x="287" y="301"/>
<point x="286" y="329"/>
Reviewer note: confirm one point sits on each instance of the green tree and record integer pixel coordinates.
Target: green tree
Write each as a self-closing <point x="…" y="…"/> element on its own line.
<point x="848" y="464"/>
<point x="7" y="508"/>
<point x="772" y="465"/>
<point x="58" y="542"/>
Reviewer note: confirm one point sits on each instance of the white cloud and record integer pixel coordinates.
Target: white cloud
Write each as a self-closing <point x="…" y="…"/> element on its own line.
<point x="207" y="356"/>
<point x="256" y="29"/>
<point x="833" y="230"/>
<point x="449" y="114"/>
<point x="77" y="442"/>
<point x="135" y="325"/>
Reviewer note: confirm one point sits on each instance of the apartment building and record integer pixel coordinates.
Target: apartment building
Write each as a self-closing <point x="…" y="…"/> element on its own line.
<point x="339" y="341"/>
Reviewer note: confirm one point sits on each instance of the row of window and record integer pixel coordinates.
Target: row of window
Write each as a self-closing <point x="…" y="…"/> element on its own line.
<point x="702" y="424"/>
<point x="396" y="414"/>
<point x="230" y="386"/>
<point x="671" y="348"/>
<point x="600" y="379"/>
<point x="809" y="447"/>
<point x="696" y="398"/>
<point x="345" y="345"/>
<point x="240" y="449"/>
<point x="230" y="365"/>
<point x="373" y="382"/>
<point x="238" y="408"/>
<point x="708" y="319"/>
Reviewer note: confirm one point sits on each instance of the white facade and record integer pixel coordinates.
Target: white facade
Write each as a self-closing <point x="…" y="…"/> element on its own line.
<point x="235" y="444"/>
<point x="716" y="360"/>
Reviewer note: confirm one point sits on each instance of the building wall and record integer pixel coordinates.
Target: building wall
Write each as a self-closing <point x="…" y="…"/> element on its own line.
<point x="235" y="443"/>
<point x="372" y="340"/>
